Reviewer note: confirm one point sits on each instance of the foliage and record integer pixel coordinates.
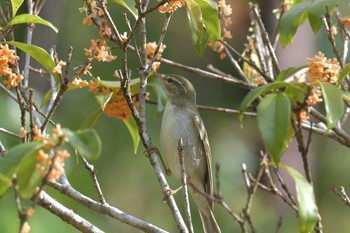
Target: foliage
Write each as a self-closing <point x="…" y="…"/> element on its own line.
<point x="285" y="102"/>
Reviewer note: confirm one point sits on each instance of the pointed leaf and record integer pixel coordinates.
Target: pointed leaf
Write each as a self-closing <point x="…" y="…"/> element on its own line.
<point x="28" y="176"/>
<point x="29" y="18"/>
<point x="344" y="72"/>
<point x="16" y="4"/>
<point x="91" y="119"/>
<point x="38" y="54"/>
<point x="158" y="89"/>
<point x="10" y="164"/>
<point x="195" y="17"/>
<point x="317" y="10"/>
<point x="86" y="141"/>
<point x="334" y="104"/>
<point x="254" y="94"/>
<point x="346" y="95"/>
<point x="291" y="20"/>
<point x="103" y="100"/>
<point x="288" y="72"/>
<point x="307" y="208"/>
<point x="129" y="5"/>
<point x="273" y="116"/>
<point x="211" y="20"/>
<point x="134" y="131"/>
<point x="199" y="44"/>
<point x="116" y="85"/>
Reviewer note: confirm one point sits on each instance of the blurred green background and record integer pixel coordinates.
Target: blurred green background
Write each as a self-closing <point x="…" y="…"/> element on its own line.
<point x="128" y="180"/>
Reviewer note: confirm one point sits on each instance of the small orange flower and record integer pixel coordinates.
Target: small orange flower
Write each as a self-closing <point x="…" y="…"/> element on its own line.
<point x="80" y="83"/>
<point x="323" y="69"/>
<point x="150" y="50"/>
<point x="304" y="115"/>
<point x="58" y="68"/>
<point x="171" y="6"/>
<point x="100" y="51"/>
<point x="346" y="21"/>
<point x="87" y="20"/>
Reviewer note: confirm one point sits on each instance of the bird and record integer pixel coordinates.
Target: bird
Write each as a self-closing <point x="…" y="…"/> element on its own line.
<point x="181" y="119"/>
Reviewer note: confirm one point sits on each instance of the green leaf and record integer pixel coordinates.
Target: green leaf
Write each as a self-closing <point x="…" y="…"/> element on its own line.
<point x="91" y="119"/>
<point x="102" y="100"/>
<point x="13" y="160"/>
<point x="291" y="20"/>
<point x="38" y="54"/>
<point x="129" y="5"/>
<point x="344" y="72"/>
<point x="199" y="44"/>
<point x="28" y="18"/>
<point x="86" y="142"/>
<point x="288" y="72"/>
<point x="307" y="208"/>
<point x="195" y="17"/>
<point x="211" y="20"/>
<point x="317" y="10"/>
<point x="16" y="4"/>
<point x="251" y="96"/>
<point x="346" y="95"/>
<point x="334" y="104"/>
<point x="116" y="85"/>
<point x="273" y="116"/>
<point x="134" y="131"/>
<point x="28" y="176"/>
<point x="159" y="91"/>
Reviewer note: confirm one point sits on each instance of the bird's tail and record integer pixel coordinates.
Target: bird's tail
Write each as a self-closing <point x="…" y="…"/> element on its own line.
<point x="209" y="223"/>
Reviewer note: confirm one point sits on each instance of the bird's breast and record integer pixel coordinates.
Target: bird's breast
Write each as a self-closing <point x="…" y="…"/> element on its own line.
<point x="177" y="124"/>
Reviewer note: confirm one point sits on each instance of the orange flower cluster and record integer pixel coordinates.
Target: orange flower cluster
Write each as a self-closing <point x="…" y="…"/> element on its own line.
<point x="323" y="69"/>
<point x="58" y="68"/>
<point x="320" y="69"/>
<point x="8" y="58"/>
<point x="57" y="164"/>
<point x="45" y="161"/>
<point x="39" y="136"/>
<point x="150" y="50"/>
<point x="171" y="6"/>
<point x="225" y="11"/>
<point x="100" y="51"/>
<point x="313" y="98"/>
<point x="118" y="107"/>
<point x="225" y="16"/>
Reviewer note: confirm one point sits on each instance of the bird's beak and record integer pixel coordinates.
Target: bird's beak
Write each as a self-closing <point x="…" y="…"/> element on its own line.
<point x="160" y="76"/>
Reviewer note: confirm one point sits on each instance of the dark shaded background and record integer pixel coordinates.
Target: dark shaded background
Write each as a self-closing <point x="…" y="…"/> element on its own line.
<point x="128" y="180"/>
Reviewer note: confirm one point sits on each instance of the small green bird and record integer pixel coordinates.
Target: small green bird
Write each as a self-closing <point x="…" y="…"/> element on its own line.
<point x="181" y="119"/>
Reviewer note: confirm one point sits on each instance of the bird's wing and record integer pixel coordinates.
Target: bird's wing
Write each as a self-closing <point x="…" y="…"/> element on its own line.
<point x="208" y="184"/>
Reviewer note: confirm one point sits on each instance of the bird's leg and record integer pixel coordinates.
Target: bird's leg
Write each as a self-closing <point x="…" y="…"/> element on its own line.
<point x="155" y="150"/>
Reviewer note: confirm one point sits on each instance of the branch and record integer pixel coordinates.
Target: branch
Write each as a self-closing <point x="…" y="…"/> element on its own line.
<point x="66" y="214"/>
<point x="106" y="209"/>
<point x="208" y="74"/>
<point x="181" y="152"/>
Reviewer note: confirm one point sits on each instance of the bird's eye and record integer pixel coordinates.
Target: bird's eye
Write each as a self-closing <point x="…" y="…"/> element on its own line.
<point x="170" y="80"/>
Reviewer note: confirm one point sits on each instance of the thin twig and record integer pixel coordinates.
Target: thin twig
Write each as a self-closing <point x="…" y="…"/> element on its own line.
<point x="342" y="194"/>
<point x="92" y="172"/>
<point x="181" y="152"/>
<point x="208" y="74"/>
<point x="266" y="39"/>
